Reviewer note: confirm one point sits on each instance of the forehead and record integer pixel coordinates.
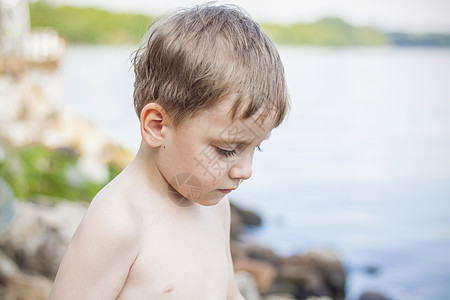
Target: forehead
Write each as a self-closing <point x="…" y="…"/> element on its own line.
<point x="218" y="122"/>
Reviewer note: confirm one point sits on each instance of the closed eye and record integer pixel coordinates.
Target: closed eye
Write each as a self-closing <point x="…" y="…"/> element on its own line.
<point x="225" y="153"/>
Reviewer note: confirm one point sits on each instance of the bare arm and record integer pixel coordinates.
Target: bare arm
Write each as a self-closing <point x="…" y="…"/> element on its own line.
<point x="233" y="292"/>
<point x="98" y="259"/>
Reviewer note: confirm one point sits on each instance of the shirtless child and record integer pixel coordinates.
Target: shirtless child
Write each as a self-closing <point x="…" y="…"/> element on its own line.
<point x="209" y="89"/>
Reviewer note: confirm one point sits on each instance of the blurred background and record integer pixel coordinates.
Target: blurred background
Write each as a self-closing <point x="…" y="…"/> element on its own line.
<point x="360" y="170"/>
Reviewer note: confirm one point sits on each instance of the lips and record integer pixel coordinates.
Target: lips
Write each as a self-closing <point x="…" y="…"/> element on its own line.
<point x="225" y="191"/>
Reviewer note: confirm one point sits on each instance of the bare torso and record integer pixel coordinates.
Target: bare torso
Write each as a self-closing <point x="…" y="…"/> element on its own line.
<point x="182" y="255"/>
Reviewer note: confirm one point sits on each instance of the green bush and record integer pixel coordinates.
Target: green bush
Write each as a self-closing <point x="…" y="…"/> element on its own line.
<point x="36" y="171"/>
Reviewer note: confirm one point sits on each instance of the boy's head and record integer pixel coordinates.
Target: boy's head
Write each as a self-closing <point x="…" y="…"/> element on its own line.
<point x="193" y="59"/>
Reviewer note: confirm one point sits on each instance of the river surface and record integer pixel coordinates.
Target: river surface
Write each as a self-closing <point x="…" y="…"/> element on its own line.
<point x="361" y="167"/>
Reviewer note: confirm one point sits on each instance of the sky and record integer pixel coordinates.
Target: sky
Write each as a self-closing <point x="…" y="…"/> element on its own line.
<point x="390" y="15"/>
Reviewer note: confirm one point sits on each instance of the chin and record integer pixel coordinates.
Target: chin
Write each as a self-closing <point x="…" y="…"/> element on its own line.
<point x="209" y="202"/>
<point x="185" y="201"/>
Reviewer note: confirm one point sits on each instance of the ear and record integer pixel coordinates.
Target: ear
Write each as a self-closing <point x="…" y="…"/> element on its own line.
<point x="153" y="120"/>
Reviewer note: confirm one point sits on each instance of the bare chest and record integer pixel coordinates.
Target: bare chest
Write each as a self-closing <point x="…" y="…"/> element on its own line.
<point x="180" y="261"/>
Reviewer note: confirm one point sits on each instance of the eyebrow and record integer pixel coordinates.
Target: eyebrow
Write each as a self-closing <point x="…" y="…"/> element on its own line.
<point x="238" y="141"/>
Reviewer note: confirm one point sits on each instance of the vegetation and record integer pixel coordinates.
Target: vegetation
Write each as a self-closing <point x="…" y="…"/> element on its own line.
<point x="96" y="26"/>
<point x="327" y="32"/>
<point x="428" y="40"/>
<point x="36" y="171"/>
<point x="89" y="25"/>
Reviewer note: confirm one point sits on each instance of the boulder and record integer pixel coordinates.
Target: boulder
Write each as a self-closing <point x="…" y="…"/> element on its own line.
<point x="6" y="206"/>
<point x="262" y="271"/>
<point x="241" y="219"/>
<point x="261" y="252"/>
<point x="38" y="235"/>
<point x="317" y="273"/>
<point x="15" y="285"/>
<point x="246" y="285"/>
<point x="257" y="260"/>
<point x="370" y="295"/>
<point x="279" y="296"/>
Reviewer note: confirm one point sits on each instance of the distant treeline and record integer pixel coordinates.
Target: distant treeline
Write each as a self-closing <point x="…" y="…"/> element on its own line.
<point x="429" y="40"/>
<point x="89" y="25"/>
<point x="327" y="32"/>
<point x="96" y="26"/>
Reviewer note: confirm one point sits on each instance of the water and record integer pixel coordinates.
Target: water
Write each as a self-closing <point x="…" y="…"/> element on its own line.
<point x="361" y="167"/>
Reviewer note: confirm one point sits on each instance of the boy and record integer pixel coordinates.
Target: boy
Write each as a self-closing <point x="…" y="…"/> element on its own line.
<point x="209" y="89"/>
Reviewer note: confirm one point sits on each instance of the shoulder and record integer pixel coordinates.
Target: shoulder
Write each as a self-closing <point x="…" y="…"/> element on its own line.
<point x="109" y="227"/>
<point x="111" y="216"/>
<point x="102" y="250"/>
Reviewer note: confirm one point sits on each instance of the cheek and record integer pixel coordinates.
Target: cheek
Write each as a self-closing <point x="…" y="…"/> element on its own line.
<point x="189" y="176"/>
<point x="187" y="155"/>
<point x="210" y="169"/>
<point x="182" y="156"/>
<point x="178" y="157"/>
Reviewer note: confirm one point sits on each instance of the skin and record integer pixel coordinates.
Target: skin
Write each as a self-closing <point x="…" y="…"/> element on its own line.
<point x="146" y="235"/>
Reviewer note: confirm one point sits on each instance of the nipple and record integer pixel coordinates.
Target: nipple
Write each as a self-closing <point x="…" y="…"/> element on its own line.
<point x="168" y="288"/>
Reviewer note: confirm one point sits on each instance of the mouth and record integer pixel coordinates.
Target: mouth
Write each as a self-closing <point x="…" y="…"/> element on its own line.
<point x="225" y="191"/>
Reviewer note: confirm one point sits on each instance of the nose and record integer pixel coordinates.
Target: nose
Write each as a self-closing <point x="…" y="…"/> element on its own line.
<point x="241" y="168"/>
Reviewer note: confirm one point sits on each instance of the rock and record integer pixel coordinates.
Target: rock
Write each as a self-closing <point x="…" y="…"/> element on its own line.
<point x="250" y="218"/>
<point x="372" y="296"/>
<point x="38" y="235"/>
<point x="6" y="206"/>
<point x="317" y="273"/>
<point x="236" y="226"/>
<point x="242" y="218"/>
<point x="257" y="260"/>
<point x="284" y="296"/>
<point x="246" y="285"/>
<point x="371" y="269"/>
<point x="263" y="272"/>
<point x="279" y="296"/>
<point x="15" y="285"/>
<point x="261" y="252"/>
<point x="32" y="243"/>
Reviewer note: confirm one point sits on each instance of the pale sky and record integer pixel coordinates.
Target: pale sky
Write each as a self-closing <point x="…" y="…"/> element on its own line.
<point x="401" y="15"/>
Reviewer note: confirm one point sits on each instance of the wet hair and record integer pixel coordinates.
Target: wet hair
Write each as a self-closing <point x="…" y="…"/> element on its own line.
<point x="194" y="58"/>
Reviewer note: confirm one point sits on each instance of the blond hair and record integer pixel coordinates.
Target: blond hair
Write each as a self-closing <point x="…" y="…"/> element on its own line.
<point x="194" y="58"/>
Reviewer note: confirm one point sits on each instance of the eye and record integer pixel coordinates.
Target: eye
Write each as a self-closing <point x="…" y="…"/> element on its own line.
<point x="259" y="148"/>
<point x="225" y="153"/>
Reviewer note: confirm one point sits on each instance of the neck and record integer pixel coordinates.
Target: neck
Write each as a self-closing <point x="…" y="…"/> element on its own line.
<point x="152" y="184"/>
<point x="145" y="171"/>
